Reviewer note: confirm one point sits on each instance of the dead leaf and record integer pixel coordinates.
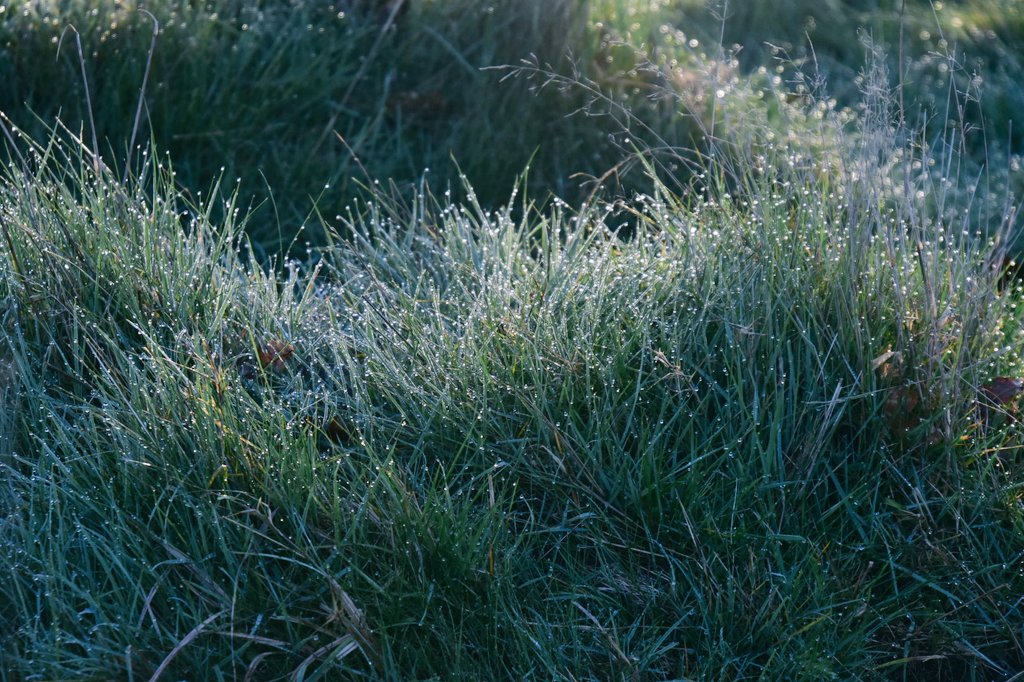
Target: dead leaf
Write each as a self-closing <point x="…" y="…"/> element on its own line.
<point x="337" y="429"/>
<point x="902" y="401"/>
<point x="900" y="409"/>
<point x="1000" y="395"/>
<point x="888" y="362"/>
<point x="274" y="354"/>
<point x="883" y="358"/>
<point x="1003" y="390"/>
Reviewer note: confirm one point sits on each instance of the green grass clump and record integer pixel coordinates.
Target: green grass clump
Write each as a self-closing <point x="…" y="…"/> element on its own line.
<point x="745" y="441"/>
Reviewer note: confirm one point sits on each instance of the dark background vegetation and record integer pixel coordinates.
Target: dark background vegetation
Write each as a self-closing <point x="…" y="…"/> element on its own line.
<point x="301" y="103"/>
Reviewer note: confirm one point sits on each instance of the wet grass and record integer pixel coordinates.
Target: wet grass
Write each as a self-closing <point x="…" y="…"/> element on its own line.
<point x="744" y="442"/>
<point x="301" y="104"/>
<point x="758" y="421"/>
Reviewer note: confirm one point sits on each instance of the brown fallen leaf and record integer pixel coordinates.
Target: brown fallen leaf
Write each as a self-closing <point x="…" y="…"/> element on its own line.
<point x="337" y="429"/>
<point x="274" y="354"/>
<point x="904" y="410"/>
<point x="884" y="358"/>
<point x="1003" y="390"/>
<point x="902" y="402"/>
<point x="1000" y="395"/>
<point x="889" y="364"/>
<point x="334" y="428"/>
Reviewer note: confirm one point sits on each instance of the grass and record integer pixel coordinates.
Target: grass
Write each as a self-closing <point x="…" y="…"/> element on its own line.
<point x="754" y="422"/>
<point x="335" y="96"/>
<point x="332" y="95"/>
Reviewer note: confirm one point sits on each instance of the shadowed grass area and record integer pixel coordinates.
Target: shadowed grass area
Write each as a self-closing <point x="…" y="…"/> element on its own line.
<point x="303" y="103"/>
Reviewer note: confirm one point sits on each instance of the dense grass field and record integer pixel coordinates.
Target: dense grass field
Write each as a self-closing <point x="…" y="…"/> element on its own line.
<point x="696" y="354"/>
